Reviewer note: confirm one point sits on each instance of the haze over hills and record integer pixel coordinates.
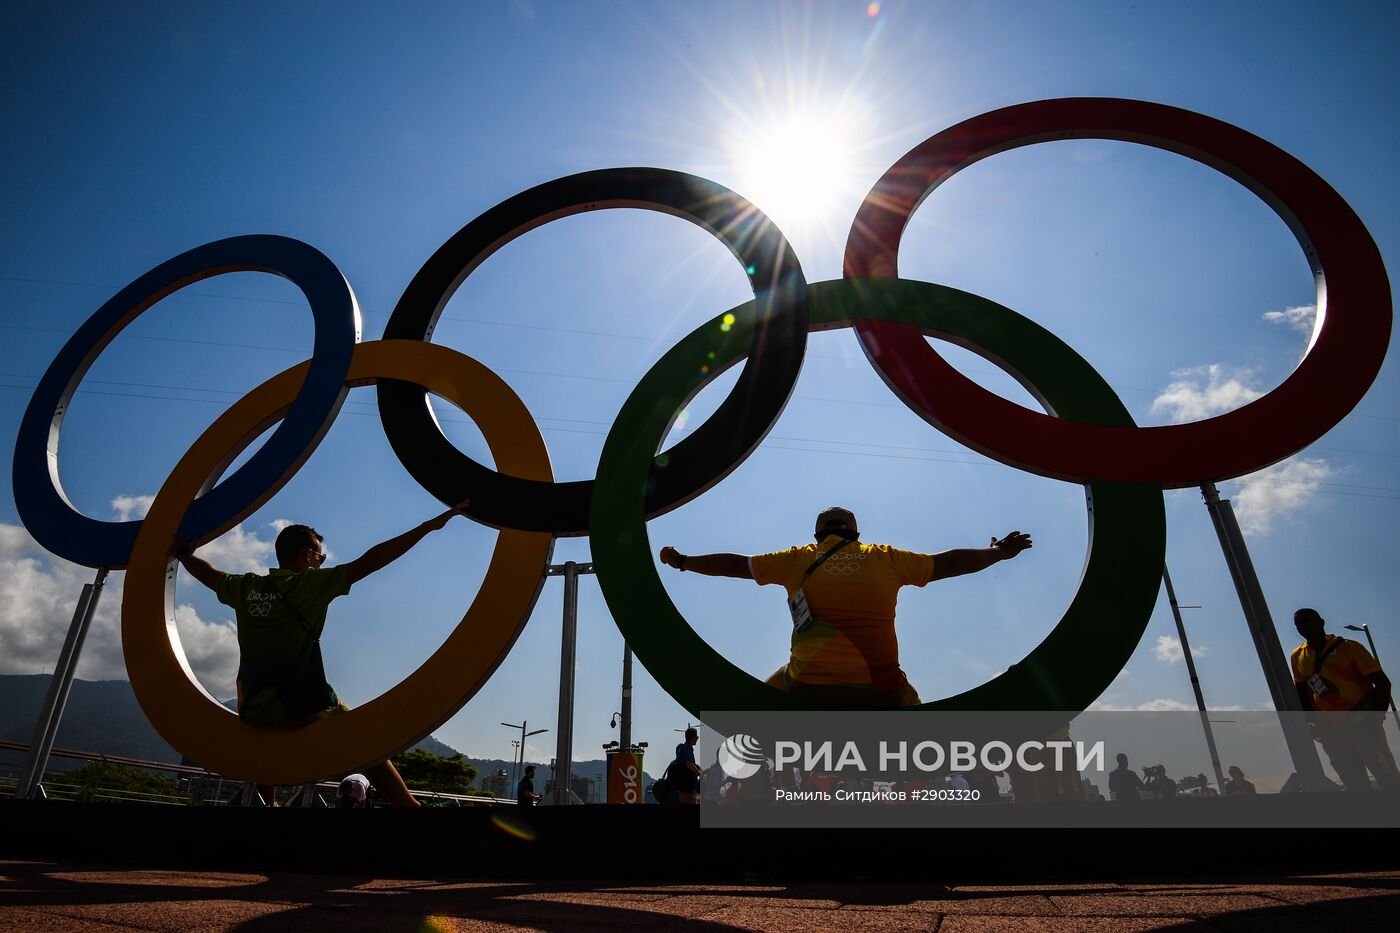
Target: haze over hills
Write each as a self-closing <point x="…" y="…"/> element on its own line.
<point x="104" y="717"/>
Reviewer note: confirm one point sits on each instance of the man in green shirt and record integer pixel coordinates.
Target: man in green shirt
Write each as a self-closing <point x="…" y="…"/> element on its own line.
<point x="281" y="680"/>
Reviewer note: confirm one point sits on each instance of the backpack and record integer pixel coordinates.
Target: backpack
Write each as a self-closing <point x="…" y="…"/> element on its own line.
<point x="662" y="788"/>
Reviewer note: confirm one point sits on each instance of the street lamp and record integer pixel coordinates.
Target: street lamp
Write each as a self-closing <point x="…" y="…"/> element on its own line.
<point x="1375" y="654"/>
<point x="520" y="763"/>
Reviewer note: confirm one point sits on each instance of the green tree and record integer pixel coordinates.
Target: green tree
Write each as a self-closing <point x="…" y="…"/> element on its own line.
<point x="106" y="776"/>
<point x="425" y="771"/>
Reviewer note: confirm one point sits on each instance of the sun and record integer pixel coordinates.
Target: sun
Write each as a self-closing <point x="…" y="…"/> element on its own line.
<point x="798" y="171"/>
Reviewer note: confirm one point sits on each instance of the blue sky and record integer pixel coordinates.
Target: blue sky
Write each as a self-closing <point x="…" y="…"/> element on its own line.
<point x="373" y="133"/>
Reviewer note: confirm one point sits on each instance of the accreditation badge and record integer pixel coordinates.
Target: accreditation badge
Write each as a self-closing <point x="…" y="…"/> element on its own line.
<point x="801" y="614"/>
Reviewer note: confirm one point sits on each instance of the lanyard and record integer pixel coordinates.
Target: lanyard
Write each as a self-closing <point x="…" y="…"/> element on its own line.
<point x="1326" y="652"/>
<point x="821" y="560"/>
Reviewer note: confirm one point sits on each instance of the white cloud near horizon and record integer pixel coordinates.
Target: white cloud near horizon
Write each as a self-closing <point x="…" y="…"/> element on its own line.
<point x="1154" y="706"/>
<point x="1203" y="392"/>
<point x="1278" y="490"/>
<point x="1163" y="705"/>
<point x="39" y="592"/>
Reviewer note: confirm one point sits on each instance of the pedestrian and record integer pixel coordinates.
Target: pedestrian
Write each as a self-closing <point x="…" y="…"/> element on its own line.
<point x="842" y="595"/>
<point x="281" y="615"/>
<point x="1346" y="694"/>
<point x="1236" y="785"/>
<point x="525" y="795"/>
<point x="685" y="773"/>
<point x="353" y="793"/>
<point x="1157" y="784"/>
<point x="1123" y="782"/>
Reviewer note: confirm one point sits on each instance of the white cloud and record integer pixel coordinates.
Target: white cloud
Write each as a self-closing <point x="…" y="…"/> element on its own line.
<point x="38" y="593"/>
<point x="235" y="551"/>
<point x="211" y="648"/>
<point x="1278" y="490"/>
<point x="1166" y="705"/>
<point x="1204" y="392"/>
<point x="129" y="507"/>
<point x="1168" y="649"/>
<point x="238" y="551"/>
<point x="1162" y="705"/>
<point x="1300" y="318"/>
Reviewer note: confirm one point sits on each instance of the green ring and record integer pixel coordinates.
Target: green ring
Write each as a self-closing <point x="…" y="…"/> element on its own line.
<point x="1127" y="523"/>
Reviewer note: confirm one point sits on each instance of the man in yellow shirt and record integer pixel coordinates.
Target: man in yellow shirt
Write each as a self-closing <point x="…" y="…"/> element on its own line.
<point x="1338" y="677"/>
<point x="842" y="595"/>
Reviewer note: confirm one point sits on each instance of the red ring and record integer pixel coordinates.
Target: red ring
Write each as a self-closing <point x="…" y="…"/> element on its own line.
<point x="1353" y="300"/>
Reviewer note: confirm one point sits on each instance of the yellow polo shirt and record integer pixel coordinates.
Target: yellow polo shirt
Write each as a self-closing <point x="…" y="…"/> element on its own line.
<point x="852" y="597"/>
<point x="1346" y="671"/>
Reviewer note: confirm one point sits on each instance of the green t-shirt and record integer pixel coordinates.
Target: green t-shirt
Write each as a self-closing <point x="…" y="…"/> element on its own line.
<point x="280" y="618"/>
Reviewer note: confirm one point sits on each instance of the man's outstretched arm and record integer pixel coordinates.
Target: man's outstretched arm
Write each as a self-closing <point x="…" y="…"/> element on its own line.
<point x="711" y="565"/>
<point x="959" y="561"/>
<point x="386" y="552"/>
<point x="199" y="568"/>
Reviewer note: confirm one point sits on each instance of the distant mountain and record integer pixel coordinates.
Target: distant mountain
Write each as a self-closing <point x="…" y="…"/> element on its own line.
<point x="431" y="744"/>
<point x="101" y="717"/>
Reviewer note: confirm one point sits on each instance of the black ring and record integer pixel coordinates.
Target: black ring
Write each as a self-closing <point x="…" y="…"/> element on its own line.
<point x="696" y="463"/>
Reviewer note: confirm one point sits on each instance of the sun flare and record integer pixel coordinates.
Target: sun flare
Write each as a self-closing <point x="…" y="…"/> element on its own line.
<point x="797" y="171"/>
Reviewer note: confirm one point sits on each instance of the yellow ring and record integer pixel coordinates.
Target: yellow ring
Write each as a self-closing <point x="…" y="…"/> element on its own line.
<point x="196" y="724"/>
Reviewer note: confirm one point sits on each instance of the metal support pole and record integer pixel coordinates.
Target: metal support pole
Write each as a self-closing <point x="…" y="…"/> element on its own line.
<point x="563" y="773"/>
<point x="564" y="751"/>
<point x="625" y="739"/>
<point x="1266" y="641"/>
<point x="46" y="728"/>
<point x="1195" y="683"/>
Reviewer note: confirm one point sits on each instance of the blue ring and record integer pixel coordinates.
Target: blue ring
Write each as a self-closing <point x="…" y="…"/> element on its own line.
<point x="39" y="497"/>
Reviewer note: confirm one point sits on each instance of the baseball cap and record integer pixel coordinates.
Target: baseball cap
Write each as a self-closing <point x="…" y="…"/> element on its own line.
<point x="836" y="517"/>
<point x="353" y="791"/>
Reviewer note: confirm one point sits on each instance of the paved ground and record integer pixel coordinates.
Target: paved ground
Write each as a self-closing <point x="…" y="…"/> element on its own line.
<point x="62" y="897"/>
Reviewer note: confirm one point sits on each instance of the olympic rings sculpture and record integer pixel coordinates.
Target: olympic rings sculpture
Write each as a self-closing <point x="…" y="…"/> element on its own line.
<point x="1086" y="436"/>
